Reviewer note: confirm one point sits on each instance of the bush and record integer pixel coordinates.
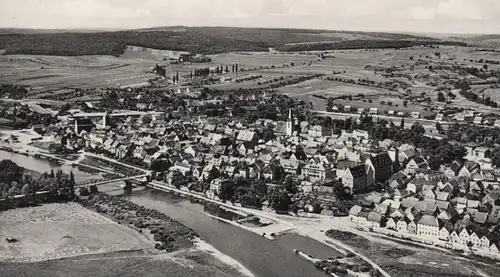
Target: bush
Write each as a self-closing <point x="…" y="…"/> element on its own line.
<point x="93" y="189"/>
<point x="84" y="191"/>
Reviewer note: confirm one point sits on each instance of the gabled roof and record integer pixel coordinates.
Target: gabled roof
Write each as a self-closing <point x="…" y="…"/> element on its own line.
<point x="441" y="195"/>
<point x="472" y="166"/>
<point x="455" y="166"/>
<point x="358" y="171"/>
<point x="374" y="217"/>
<point x="245" y="135"/>
<point x="410" y="202"/>
<point x="429" y="220"/>
<point x="355" y="210"/>
<point x="381" y="160"/>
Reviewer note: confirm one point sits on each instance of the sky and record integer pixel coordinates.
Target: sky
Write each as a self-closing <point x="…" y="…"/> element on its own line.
<point x="438" y="16"/>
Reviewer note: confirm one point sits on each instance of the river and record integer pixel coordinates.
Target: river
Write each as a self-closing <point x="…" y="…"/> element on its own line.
<point x="42" y="165"/>
<point x="261" y="256"/>
<point x="264" y="258"/>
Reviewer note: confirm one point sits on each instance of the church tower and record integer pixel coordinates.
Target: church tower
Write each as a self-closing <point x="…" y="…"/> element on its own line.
<point x="289" y="124"/>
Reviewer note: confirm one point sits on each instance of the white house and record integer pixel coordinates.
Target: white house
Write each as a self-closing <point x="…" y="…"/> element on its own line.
<point x="428" y="226"/>
<point x="391" y="224"/>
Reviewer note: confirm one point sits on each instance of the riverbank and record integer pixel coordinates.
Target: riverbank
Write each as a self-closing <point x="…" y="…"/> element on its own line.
<point x="169" y="234"/>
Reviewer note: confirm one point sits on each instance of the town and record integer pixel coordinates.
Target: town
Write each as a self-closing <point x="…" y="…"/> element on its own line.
<point x="250" y="152"/>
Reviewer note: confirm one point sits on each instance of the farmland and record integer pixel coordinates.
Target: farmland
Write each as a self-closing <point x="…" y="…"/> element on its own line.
<point x="397" y="75"/>
<point x="54" y="72"/>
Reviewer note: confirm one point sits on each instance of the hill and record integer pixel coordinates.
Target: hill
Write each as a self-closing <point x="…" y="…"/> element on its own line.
<point x="10" y="31"/>
<point x="192" y="39"/>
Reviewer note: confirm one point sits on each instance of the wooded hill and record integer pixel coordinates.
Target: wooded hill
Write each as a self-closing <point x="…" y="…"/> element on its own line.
<point x="206" y="40"/>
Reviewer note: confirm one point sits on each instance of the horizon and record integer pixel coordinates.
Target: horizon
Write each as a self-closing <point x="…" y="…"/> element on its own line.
<point x="107" y="29"/>
<point x="411" y="16"/>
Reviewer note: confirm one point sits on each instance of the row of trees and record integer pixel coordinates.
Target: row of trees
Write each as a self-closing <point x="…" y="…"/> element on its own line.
<point x="15" y="181"/>
<point x="13" y="91"/>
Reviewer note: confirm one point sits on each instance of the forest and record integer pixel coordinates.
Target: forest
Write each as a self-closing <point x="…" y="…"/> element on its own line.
<point x="114" y="43"/>
<point x="365" y="44"/>
<point x="206" y="40"/>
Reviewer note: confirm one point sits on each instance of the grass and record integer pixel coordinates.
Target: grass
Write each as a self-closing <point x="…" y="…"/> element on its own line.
<point x="414" y="270"/>
<point x="60" y="230"/>
<point x="195" y="264"/>
<point x="54" y="72"/>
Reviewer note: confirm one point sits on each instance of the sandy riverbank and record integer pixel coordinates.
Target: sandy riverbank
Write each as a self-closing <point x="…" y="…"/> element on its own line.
<point x="207" y="248"/>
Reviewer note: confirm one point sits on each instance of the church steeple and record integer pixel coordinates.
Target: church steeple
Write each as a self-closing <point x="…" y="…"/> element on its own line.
<point x="289" y="124"/>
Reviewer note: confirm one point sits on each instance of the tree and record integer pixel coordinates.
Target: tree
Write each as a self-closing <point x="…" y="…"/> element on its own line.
<point x="72" y="184"/>
<point x="213" y="174"/>
<point x="84" y="191"/>
<point x="417" y="128"/>
<point x="279" y="200"/>
<point x="25" y="190"/>
<point x="226" y="191"/>
<point x="438" y="127"/>
<point x="327" y="121"/>
<point x="146" y="119"/>
<point x="93" y="189"/>
<point x="405" y="103"/>
<point x="340" y="190"/>
<point x="440" y="97"/>
<point x="290" y="186"/>
<point x="160" y="165"/>
<point x="402" y="126"/>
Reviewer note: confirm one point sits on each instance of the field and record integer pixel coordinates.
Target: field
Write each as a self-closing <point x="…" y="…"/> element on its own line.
<point x="193" y="263"/>
<point x="61" y="230"/>
<point x="54" y="72"/>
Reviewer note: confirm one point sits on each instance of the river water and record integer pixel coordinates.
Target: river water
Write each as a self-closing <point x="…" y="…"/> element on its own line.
<point x="42" y="165"/>
<point x="264" y="258"/>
